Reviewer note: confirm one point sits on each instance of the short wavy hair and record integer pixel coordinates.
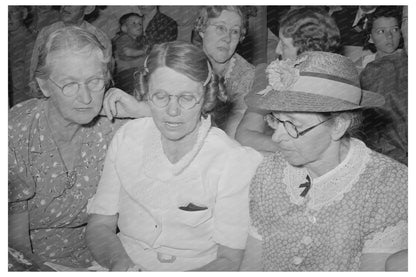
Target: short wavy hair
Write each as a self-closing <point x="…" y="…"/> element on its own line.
<point x="75" y="39"/>
<point x="312" y="29"/>
<point x="187" y="59"/>
<point x="208" y="12"/>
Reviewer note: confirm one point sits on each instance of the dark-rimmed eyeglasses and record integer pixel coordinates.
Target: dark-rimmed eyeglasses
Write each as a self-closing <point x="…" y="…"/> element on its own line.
<point x="186" y="101"/>
<point x="71" y="89"/>
<point x="290" y="128"/>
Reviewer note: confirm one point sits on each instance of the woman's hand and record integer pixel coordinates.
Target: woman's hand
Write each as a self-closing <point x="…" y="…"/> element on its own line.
<point x="117" y="103"/>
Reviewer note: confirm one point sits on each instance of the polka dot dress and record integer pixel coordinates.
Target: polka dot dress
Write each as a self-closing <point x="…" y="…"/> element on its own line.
<point x="298" y="236"/>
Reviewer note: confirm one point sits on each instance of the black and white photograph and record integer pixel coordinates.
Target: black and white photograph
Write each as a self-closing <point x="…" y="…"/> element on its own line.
<point x="176" y="138"/>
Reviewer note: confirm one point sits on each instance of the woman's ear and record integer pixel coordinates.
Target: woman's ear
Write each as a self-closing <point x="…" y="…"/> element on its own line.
<point x="340" y="127"/>
<point x="44" y="87"/>
<point x="201" y="34"/>
<point x="124" y="28"/>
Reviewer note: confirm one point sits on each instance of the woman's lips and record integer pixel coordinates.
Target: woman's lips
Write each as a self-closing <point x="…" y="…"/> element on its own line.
<point x="172" y="124"/>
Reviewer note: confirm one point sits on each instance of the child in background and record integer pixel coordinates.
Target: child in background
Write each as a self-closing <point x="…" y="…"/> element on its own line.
<point x="129" y="51"/>
<point x="383" y="34"/>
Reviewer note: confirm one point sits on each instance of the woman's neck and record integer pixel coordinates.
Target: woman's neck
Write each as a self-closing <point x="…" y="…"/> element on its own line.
<point x="220" y="68"/>
<point x="63" y="131"/>
<point x="334" y="156"/>
<point x="177" y="149"/>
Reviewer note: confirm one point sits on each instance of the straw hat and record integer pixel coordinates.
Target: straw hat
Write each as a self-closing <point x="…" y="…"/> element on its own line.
<point x="314" y="82"/>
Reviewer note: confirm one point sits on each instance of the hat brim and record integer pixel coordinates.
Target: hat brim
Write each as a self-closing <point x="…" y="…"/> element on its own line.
<point x="297" y="101"/>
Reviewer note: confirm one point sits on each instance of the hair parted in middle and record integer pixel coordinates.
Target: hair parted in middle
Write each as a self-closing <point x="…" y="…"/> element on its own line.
<point x="209" y="12"/>
<point x="189" y="60"/>
<point x="312" y="29"/>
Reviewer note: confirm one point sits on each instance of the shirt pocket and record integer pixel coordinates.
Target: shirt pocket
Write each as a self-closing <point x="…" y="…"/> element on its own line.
<point x="193" y="218"/>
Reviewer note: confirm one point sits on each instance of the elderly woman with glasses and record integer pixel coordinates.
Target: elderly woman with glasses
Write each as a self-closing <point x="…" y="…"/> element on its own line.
<point x="323" y="201"/>
<point x="176" y="187"/>
<point x="221" y="29"/>
<point x="57" y="147"/>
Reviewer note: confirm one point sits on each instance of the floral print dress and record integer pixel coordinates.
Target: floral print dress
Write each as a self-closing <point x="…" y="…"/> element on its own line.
<point x="57" y="212"/>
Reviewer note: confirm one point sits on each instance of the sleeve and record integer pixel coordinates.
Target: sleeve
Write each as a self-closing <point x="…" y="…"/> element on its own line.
<point x="231" y="212"/>
<point x="386" y="224"/>
<point x="243" y="89"/>
<point x="105" y="201"/>
<point x="255" y="198"/>
<point x="20" y="183"/>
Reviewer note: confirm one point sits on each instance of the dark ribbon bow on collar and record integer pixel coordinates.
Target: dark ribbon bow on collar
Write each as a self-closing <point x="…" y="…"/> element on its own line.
<point x="306" y="185"/>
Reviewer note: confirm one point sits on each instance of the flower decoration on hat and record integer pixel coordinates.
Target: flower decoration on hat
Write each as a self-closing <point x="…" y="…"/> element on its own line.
<point x="282" y="75"/>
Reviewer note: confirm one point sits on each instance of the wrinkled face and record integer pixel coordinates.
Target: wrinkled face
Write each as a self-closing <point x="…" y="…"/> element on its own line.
<point x="134" y="26"/>
<point x="68" y="67"/>
<point x="174" y="122"/>
<point x="306" y="149"/>
<point x="285" y="48"/>
<point x="221" y="36"/>
<point x="385" y="34"/>
<point x="72" y="14"/>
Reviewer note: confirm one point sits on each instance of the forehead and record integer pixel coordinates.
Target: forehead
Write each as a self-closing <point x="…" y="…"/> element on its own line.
<point x="385" y="22"/>
<point x="171" y="81"/>
<point x="228" y="17"/>
<point x="75" y="63"/>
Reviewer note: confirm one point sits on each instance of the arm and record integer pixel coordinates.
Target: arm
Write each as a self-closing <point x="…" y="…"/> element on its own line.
<point x="117" y="103"/>
<point x="250" y="132"/>
<point x="19" y="232"/>
<point x="252" y="255"/>
<point x="104" y="244"/>
<point x="397" y="261"/>
<point x="228" y="259"/>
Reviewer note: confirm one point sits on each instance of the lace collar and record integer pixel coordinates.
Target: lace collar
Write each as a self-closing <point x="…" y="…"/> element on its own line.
<point x="230" y="68"/>
<point x="157" y="165"/>
<point x="331" y="186"/>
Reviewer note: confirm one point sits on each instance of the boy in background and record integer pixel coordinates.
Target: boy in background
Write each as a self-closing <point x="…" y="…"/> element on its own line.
<point x="129" y="51"/>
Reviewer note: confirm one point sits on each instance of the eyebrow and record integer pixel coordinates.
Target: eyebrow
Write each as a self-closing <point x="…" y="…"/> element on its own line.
<point x="225" y="23"/>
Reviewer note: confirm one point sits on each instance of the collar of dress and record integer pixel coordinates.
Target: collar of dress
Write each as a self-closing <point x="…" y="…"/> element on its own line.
<point x="331" y="186"/>
<point x="230" y="68"/>
<point x="157" y="165"/>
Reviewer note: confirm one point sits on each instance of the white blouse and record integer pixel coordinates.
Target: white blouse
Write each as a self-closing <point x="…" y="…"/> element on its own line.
<point x="146" y="190"/>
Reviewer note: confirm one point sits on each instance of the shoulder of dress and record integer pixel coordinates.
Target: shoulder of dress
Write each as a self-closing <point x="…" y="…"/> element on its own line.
<point x="24" y="111"/>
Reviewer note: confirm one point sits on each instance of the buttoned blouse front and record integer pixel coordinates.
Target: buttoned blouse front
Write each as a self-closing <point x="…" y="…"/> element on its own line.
<point x="146" y="190"/>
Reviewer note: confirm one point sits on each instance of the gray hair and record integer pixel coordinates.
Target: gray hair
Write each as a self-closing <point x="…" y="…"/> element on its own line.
<point x="75" y="39"/>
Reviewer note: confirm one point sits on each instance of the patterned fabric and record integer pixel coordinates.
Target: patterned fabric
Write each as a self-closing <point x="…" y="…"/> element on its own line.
<point x="161" y="29"/>
<point x="343" y="212"/>
<point x="386" y="129"/>
<point x="43" y="36"/>
<point x="36" y="182"/>
<point x="238" y="80"/>
<point x="20" y="48"/>
<point x="147" y="190"/>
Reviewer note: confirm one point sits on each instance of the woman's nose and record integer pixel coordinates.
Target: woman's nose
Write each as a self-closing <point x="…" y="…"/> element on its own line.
<point x="227" y="36"/>
<point x="173" y="108"/>
<point x="84" y="95"/>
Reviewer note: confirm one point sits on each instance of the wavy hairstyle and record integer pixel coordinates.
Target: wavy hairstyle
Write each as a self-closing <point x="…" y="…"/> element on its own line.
<point x="209" y="12"/>
<point x="311" y="29"/>
<point x="77" y="40"/>
<point x="189" y="60"/>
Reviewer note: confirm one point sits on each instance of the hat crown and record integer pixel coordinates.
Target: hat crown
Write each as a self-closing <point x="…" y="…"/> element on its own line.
<point x="334" y="65"/>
